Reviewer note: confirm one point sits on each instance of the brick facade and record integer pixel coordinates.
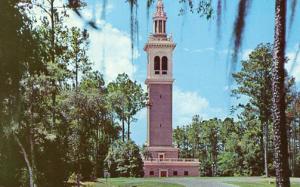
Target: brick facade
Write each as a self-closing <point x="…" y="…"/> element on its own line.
<point x="160" y="115"/>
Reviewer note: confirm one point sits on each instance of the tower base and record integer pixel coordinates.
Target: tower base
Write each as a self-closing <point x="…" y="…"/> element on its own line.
<point x="164" y="162"/>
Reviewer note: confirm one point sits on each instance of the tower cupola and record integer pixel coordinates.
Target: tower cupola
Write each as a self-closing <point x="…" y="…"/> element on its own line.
<point x="159" y="19"/>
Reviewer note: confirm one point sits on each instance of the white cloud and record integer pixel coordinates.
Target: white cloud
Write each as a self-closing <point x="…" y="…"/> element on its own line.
<point x="110" y="48"/>
<point x="246" y="53"/>
<point x="294" y="71"/>
<point x="186" y="105"/>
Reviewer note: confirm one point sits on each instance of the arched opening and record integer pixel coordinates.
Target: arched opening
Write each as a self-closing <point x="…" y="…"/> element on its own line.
<point x="164" y="65"/>
<point x="157" y="64"/>
<point x="155" y="26"/>
<point x="160" y="26"/>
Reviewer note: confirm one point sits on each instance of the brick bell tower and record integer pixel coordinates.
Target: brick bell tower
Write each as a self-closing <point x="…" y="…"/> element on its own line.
<point x="159" y="81"/>
<point x="159" y="49"/>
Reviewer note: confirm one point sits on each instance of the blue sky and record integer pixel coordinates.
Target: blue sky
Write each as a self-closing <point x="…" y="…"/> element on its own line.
<point x="200" y="63"/>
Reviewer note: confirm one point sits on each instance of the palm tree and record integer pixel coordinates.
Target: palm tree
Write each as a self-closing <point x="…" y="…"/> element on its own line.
<point x="278" y="97"/>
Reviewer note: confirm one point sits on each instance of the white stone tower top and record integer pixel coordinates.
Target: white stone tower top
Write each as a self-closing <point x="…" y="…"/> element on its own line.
<point x="160" y="48"/>
<point x="159" y="19"/>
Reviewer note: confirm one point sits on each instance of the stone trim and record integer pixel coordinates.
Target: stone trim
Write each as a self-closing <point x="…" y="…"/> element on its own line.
<point x="162" y="148"/>
<point x="181" y="164"/>
<point x="159" y="81"/>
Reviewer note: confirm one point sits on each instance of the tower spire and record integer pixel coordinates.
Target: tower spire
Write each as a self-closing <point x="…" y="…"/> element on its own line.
<point x="159" y="19"/>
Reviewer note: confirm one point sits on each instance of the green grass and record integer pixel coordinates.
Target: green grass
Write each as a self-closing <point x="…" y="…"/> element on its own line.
<point x="131" y="182"/>
<point x="257" y="184"/>
<point x="156" y="182"/>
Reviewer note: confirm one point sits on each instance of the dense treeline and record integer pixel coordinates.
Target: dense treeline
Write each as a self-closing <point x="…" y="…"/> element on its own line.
<point x="244" y="146"/>
<point x="58" y="118"/>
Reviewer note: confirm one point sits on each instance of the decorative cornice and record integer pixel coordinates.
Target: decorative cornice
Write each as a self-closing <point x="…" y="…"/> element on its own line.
<point x="172" y="162"/>
<point x="159" y="45"/>
<point x="161" y="148"/>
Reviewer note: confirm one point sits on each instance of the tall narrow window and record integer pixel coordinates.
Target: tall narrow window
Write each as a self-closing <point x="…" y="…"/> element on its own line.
<point x="164" y="26"/>
<point x="160" y="26"/>
<point x="157" y="64"/>
<point x="164" y="65"/>
<point x="155" y="26"/>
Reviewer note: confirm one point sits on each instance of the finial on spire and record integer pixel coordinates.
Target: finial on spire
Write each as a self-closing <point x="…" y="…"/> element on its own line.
<point x="160" y="9"/>
<point x="160" y="3"/>
<point x="159" y="19"/>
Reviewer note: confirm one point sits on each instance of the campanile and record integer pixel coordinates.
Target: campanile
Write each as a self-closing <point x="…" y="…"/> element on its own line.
<point x="162" y="158"/>
<point x="159" y="81"/>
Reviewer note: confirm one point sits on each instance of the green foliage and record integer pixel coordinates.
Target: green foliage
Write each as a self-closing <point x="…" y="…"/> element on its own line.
<point x="54" y="110"/>
<point x="224" y="147"/>
<point x="254" y="86"/>
<point x="124" y="160"/>
<point x="126" y="99"/>
<point x="254" y="81"/>
<point x="230" y="148"/>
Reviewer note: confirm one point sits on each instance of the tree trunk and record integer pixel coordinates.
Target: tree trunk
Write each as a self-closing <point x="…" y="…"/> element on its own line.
<point x="33" y="166"/>
<point x="294" y="149"/>
<point x="30" y="170"/>
<point x="266" y="146"/>
<point x="123" y="130"/>
<point x="78" y="180"/>
<point x="278" y="98"/>
<point x="31" y="133"/>
<point x="128" y="128"/>
<point x="52" y="11"/>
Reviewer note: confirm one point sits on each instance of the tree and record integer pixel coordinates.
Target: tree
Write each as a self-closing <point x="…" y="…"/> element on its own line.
<point x="124" y="160"/>
<point x="293" y="114"/>
<point x="278" y="97"/>
<point x="254" y="81"/>
<point x="17" y="61"/>
<point x="78" y="54"/>
<point x="278" y="80"/>
<point x="127" y="98"/>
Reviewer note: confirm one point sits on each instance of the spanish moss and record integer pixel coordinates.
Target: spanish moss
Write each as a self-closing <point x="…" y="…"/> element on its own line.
<point x="133" y="24"/>
<point x="293" y="6"/>
<point x="219" y="19"/>
<point x="239" y="27"/>
<point x="104" y="5"/>
<point x="295" y="58"/>
<point x="136" y="27"/>
<point x="149" y="4"/>
<point x="76" y="6"/>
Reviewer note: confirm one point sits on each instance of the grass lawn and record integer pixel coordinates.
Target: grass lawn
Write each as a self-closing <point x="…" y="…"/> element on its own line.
<point x="257" y="184"/>
<point x="157" y="182"/>
<point x="131" y="182"/>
